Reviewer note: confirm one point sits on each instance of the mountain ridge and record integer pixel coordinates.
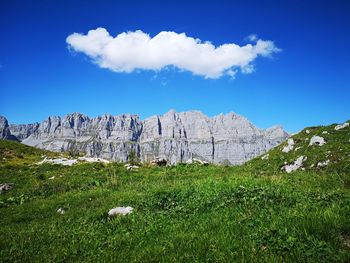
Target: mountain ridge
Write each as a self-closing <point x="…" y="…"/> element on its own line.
<point x="176" y="136"/>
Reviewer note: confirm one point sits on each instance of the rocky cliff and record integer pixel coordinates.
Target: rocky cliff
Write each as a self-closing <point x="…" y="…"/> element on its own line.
<point x="5" y="133"/>
<point x="177" y="137"/>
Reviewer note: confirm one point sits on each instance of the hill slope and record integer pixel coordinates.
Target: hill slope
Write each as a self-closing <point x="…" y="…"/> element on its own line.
<point x="323" y="148"/>
<point x="181" y="213"/>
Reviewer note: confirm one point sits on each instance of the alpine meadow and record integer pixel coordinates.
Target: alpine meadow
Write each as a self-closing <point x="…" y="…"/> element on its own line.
<point x="174" y="131"/>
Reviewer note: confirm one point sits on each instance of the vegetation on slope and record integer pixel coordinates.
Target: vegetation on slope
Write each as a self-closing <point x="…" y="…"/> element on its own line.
<point x="183" y="213"/>
<point x="336" y="150"/>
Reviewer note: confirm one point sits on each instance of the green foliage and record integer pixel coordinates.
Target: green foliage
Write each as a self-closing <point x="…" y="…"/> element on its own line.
<point x="336" y="150"/>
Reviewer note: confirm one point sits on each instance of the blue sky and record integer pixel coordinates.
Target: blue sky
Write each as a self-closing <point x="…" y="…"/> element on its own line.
<point x="307" y="83"/>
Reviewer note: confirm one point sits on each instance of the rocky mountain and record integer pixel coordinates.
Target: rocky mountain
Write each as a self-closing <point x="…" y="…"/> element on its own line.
<point x="5" y="133"/>
<point x="177" y="137"/>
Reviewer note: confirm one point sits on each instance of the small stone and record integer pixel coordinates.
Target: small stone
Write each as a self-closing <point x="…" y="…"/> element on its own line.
<point x="341" y="126"/>
<point x="297" y="148"/>
<point x="324" y="163"/>
<point x="60" y="211"/>
<point x="6" y="187"/>
<point x="307" y="131"/>
<point x="121" y="210"/>
<point x="132" y="167"/>
<point x="265" y="157"/>
<point x="159" y="161"/>
<point x="289" y="146"/>
<point x="196" y="161"/>
<point x="93" y="160"/>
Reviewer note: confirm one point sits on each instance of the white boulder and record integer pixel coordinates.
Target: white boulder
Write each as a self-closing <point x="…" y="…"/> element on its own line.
<point x="62" y="161"/>
<point x="341" y="126"/>
<point x="5" y="187"/>
<point x="60" y="211"/>
<point x="265" y="157"/>
<point x="93" y="160"/>
<point x="289" y="146"/>
<point x="295" y="165"/>
<point x="317" y="140"/>
<point x="131" y="167"/>
<point x="324" y="163"/>
<point x="121" y="210"/>
<point x="196" y="161"/>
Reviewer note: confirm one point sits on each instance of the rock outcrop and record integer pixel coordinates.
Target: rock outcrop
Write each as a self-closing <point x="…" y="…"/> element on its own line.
<point x="5" y="133"/>
<point x="176" y="137"/>
<point x="23" y="131"/>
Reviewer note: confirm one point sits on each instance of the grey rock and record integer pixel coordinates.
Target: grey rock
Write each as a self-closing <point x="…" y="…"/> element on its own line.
<point x="23" y="131"/>
<point x="120" y="210"/>
<point x="62" y="161"/>
<point x="159" y="161"/>
<point x="6" y="187"/>
<point x="5" y="133"/>
<point x="324" y="163"/>
<point x="174" y="137"/>
<point x="341" y="126"/>
<point x="289" y="146"/>
<point x="295" y="165"/>
<point x="317" y="140"/>
<point x="61" y="211"/>
<point x="131" y="167"/>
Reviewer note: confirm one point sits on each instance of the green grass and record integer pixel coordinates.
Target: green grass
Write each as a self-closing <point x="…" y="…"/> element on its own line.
<point x="185" y="213"/>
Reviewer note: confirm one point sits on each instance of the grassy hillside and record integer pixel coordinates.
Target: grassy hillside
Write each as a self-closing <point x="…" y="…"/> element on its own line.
<point x="185" y="213"/>
<point x="336" y="150"/>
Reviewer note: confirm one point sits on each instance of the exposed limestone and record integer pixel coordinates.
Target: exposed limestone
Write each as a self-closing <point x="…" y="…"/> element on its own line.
<point x="23" y="131"/>
<point x="5" y="133"/>
<point x="341" y="126"/>
<point x="295" y="165"/>
<point x="159" y="161"/>
<point x="324" y="163"/>
<point x="62" y="161"/>
<point x="176" y="137"/>
<point x="131" y="167"/>
<point x="61" y="211"/>
<point x="317" y="140"/>
<point x="120" y="211"/>
<point x="196" y="161"/>
<point x="93" y="160"/>
<point x="265" y="157"/>
<point x="289" y="146"/>
<point x="6" y="187"/>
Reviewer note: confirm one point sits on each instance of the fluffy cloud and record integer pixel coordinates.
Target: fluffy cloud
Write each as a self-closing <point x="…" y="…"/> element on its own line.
<point x="130" y="51"/>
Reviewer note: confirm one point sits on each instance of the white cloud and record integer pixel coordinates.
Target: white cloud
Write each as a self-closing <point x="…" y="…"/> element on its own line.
<point x="131" y="51"/>
<point x="252" y="37"/>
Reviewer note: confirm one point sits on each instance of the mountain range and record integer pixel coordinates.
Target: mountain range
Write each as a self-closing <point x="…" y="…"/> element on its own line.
<point x="175" y="136"/>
